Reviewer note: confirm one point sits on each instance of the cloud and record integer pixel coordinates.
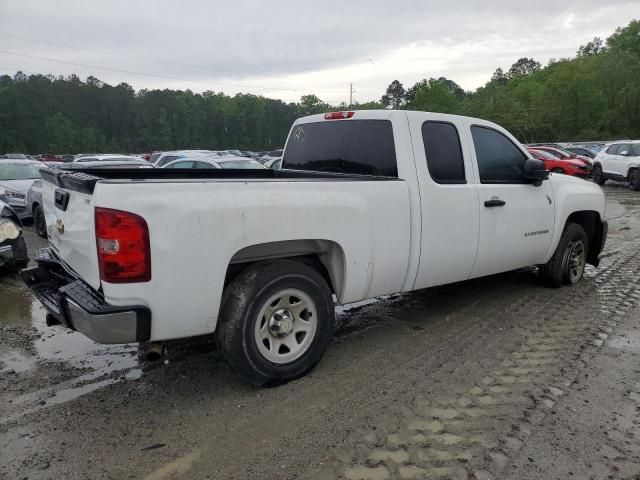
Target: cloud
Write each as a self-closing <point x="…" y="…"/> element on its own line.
<point x="287" y="48"/>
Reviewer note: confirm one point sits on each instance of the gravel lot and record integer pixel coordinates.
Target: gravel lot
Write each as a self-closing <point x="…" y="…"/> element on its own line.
<point x="488" y="379"/>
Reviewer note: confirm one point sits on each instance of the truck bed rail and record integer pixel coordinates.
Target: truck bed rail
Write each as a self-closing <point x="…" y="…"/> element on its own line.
<point x="84" y="179"/>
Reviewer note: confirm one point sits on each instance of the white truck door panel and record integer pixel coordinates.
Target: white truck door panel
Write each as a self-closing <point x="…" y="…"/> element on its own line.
<point x="449" y="200"/>
<point x="516" y="218"/>
<point x="516" y="234"/>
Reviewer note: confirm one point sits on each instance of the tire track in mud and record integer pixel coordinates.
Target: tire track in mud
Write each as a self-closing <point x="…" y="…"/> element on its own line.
<point x="474" y="432"/>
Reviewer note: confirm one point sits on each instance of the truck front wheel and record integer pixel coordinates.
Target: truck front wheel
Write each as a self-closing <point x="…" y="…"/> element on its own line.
<point x="276" y="320"/>
<point x="566" y="267"/>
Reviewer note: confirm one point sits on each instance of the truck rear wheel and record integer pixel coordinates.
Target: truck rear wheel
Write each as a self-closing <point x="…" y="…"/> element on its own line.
<point x="567" y="265"/>
<point x="276" y="320"/>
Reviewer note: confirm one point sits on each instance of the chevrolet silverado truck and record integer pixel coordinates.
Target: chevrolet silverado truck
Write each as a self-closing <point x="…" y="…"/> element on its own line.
<point x="368" y="203"/>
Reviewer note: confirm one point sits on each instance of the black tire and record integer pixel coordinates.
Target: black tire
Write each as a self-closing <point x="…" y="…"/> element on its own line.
<point x="243" y="300"/>
<point x="634" y="179"/>
<point x="38" y="221"/>
<point x="598" y="176"/>
<point x="560" y="269"/>
<point x="558" y="170"/>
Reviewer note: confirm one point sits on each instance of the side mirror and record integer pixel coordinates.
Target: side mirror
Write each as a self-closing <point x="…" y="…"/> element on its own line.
<point x="624" y="153"/>
<point x="535" y="171"/>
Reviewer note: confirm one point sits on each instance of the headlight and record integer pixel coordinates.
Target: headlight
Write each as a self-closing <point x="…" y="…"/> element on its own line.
<point x="5" y="192"/>
<point x="8" y="230"/>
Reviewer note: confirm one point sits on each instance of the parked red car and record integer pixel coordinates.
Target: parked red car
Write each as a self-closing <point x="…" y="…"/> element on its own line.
<point x="568" y="166"/>
<point x="561" y="153"/>
<point x="48" y="157"/>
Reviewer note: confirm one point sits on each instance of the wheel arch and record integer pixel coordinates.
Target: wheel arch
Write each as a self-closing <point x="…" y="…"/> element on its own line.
<point x="592" y="223"/>
<point x="325" y="256"/>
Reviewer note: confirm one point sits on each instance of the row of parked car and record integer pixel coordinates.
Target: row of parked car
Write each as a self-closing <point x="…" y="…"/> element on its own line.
<point x="618" y="161"/>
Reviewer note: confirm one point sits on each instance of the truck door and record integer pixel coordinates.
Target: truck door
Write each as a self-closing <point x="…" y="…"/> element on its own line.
<point x="516" y="217"/>
<point x="449" y="200"/>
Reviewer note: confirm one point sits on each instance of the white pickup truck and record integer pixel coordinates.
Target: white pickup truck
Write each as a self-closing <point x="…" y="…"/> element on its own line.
<point x="368" y="203"/>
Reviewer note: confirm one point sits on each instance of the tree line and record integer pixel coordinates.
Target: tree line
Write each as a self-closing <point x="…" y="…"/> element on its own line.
<point x="595" y="95"/>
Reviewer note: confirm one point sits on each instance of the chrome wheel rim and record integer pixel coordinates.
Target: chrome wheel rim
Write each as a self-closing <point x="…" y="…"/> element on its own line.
<point x="575" y="261"/>
<point x="286" y="326"/>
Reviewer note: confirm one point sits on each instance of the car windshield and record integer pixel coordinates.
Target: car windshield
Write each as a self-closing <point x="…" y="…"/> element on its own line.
<point x="19" y="171"/>
<point x="545" y="154"/>
<point x="243" y="164"/>
<point x="16" y="156"/>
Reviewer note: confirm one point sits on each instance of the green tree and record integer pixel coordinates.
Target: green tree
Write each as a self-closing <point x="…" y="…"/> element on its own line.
<point x="395" y="96"/>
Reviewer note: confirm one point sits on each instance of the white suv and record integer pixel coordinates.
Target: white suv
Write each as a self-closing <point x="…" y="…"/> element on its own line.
<point x="618" y="161"/>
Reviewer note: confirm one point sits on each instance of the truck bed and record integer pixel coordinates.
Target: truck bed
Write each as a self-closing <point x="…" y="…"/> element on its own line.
<point x="84" y="179"/>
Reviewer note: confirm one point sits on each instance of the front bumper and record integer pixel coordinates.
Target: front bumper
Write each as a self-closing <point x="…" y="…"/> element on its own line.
<point x="74" y="304"/>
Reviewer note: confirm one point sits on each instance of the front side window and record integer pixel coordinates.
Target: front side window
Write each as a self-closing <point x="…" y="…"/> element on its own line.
<point x="444" y="153"/>
<point x="499" y="160"/>
<point x="635" y="149"/>
<point x="613" y="149"/>
<point x="363" y="147"/>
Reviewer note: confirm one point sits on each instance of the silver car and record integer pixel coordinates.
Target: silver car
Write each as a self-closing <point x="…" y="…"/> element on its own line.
<point x="16" y="176"/>
<point x="216" y="162"/>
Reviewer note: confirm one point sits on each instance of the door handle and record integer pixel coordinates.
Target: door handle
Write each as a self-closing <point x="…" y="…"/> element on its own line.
<point x="494" y="202"/>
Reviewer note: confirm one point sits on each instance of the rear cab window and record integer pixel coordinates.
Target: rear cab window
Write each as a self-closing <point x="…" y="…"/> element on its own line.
<point x="444" y="152"/>
<point x="362" y="147"/>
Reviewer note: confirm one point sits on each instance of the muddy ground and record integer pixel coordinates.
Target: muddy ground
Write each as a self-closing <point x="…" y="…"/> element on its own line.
<point x="488" y="379"/>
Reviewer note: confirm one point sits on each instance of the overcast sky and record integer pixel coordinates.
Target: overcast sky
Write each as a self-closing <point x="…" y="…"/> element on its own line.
<point x="285" y="49"/>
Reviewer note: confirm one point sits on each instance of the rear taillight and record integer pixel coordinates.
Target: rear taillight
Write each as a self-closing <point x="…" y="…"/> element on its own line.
<point x="122" y="238"/>
<point x="338" y="115"/>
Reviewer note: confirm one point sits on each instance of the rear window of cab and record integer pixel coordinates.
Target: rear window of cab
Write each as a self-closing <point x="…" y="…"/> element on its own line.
<point x="362" y="147"/>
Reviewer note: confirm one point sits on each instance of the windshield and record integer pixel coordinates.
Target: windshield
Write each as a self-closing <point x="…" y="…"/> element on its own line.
<point x="243" y="164"/>
<point x="19" y="171"/>
<point x="16" y="155"/>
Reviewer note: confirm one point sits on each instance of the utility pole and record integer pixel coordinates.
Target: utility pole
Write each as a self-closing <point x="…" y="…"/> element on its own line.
<point x="350" y="95"/>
